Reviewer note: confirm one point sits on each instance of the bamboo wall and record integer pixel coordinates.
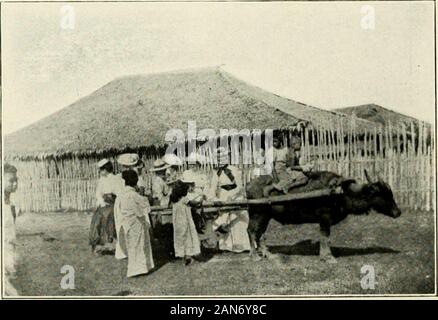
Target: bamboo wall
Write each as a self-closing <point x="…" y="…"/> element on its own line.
<point x="403" y="156"/>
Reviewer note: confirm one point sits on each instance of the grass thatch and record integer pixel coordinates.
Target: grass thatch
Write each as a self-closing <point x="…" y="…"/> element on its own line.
<point x="136" y="111"/>
<point x="375" y="113"/>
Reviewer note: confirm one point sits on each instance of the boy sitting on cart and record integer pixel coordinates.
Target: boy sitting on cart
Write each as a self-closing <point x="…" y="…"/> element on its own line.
<point x="287" y="173"/>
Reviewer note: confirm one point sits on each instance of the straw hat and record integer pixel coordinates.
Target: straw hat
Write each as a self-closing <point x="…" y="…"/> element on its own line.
<point x="159" y="165"/>
<point x="128" y="159"/>
<point x="102" y="162"/>
<point x="172" y="159"/>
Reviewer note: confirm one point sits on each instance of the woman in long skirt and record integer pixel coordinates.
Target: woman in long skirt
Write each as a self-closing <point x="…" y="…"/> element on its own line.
<point x="185" y="237"/>
<point x="102" y="236"/>
<point x="134" y="237"/>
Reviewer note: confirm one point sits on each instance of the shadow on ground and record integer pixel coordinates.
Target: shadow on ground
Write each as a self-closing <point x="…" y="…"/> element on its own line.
<point x="309" y="248"/>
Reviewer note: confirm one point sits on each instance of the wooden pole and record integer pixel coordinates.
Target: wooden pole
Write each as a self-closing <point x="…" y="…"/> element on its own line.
<point x="271" y="200"/>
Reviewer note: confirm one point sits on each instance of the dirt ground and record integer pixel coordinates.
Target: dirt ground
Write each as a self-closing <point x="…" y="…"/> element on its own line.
<point x="401" y="251"/>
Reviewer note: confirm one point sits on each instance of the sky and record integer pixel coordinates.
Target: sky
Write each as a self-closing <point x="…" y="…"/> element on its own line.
<point x="317" y="53"/>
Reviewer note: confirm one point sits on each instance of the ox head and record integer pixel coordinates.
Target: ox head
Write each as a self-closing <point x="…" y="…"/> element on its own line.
<point x="380" y="197"/>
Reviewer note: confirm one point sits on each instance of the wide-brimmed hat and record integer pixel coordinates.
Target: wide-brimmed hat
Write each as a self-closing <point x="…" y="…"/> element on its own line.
<point x="172" y="159"/>
<point x="128" y="159"/>
<point x="102" y="162"/>
<point x="159" y="165"/>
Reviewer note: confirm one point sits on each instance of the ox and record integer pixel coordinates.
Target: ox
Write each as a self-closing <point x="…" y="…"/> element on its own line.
<point x="326" y="211"/>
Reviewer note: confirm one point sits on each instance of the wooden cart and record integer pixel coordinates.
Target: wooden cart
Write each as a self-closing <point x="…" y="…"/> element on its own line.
<point x="214" y="206"/>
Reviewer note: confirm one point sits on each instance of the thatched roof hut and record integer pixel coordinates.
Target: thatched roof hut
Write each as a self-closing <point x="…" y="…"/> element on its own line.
<point x="375" y="113"/>
<point x="385" y="117"/>
<point x="56" y="157"/>
<point x="135" y="112"/>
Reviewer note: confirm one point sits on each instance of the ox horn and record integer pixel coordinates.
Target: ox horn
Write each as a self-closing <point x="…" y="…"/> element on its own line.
<point x="367" y="176"/>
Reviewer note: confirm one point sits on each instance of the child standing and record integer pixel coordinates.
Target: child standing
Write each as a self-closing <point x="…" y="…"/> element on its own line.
<point x="185" y="237"/>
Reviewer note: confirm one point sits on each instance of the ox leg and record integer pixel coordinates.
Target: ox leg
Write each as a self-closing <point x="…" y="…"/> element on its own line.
<point x="265" y="251"/>
<point x="253" y="225"/>
<point x="325" y="253"/>
<point x="253" y="252"/>
<point x="258" y="223"/>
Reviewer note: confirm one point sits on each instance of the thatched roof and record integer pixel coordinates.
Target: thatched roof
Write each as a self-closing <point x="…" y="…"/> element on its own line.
<point x="136" y="111"/>
<point x="378" y="114"/>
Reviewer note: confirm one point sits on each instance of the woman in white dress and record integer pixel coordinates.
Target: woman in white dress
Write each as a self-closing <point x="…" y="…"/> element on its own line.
<point x="127" y="161"/>
<point x="185" y="237"/>
<point x="134" y="227"/>
<point x="102" y="236"/>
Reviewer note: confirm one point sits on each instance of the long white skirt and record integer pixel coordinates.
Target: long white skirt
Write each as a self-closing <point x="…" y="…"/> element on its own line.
<point x="185" y="237"/>
<point x="237" y="240"/>
<point x="119" y="254"/>
<point x="135" y="243"/>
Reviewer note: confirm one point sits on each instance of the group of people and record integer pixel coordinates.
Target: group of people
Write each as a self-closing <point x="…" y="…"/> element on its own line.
<point x="123" y="221"/>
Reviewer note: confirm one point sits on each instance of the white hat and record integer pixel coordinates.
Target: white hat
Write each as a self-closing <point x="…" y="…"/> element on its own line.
<point x="128" y="159"/>
<point x="102" y="162"/>
<point x="159" y="165"/>
<point x="172" y="159"/>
